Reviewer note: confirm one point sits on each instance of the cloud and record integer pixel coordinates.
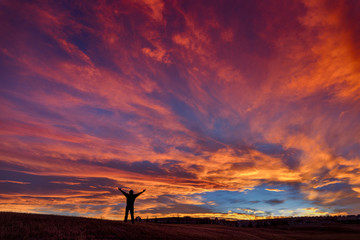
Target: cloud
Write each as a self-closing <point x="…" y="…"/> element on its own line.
<point x="16" y="182"/>
<point x="274" y="190"/>
<point x="184" y="99"/>
<point x="251" y="211"/>
<point x="274" y="201"/>
<point x="170" y="168"/>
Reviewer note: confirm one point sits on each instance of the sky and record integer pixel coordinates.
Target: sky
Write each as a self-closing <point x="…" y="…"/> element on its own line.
<point x="236" y="109"/>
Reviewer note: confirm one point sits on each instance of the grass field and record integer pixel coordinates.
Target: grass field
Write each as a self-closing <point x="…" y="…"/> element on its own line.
<point x="37" y="226"/>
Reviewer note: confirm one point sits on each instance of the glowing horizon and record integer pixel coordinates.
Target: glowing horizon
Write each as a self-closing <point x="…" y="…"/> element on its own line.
<point x="236" y="109"/>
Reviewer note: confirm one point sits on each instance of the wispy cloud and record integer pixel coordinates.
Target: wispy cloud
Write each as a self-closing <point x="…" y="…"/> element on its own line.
<point x="274" y="190"/>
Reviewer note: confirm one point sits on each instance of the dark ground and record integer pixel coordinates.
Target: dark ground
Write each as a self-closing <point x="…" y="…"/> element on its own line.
<point x="36" y="226"/>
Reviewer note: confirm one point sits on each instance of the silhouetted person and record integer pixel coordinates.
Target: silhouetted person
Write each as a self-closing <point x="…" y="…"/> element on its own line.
<point x="130" y="200"/>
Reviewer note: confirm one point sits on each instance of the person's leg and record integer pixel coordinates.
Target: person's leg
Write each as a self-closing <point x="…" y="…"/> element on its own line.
<point x="126" y="214"/>
<point x="132" y="214"/>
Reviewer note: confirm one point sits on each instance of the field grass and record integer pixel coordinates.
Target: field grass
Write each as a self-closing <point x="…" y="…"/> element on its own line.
<point x="37" y="226"/>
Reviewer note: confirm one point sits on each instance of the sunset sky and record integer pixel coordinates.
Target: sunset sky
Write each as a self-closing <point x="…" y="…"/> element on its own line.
<point x="233" y="109"/>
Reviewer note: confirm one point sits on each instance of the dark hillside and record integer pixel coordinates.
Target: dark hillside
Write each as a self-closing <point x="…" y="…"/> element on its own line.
<point x="36" y="226"/>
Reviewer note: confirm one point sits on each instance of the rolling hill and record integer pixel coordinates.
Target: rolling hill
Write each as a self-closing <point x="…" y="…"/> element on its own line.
<point x="38" y="226"/>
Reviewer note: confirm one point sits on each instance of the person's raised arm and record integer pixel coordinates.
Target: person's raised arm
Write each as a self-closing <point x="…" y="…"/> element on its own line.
<point x="140" y="193"/>
<point x="123" y="192"/>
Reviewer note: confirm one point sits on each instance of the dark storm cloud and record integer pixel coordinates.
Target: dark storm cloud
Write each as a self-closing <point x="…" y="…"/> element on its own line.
<point x="171" y="168"/>
<point x="187" y="149"/>
<point x="177" y="208"/>
<point x="242" y="165"/>
<point x="290" y="156"/>
<point x="274" y="201"/>
<point x="39" y="184"/>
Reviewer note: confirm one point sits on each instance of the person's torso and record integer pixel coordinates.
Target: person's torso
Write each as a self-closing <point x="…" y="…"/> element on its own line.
<point x="130" y="200"/>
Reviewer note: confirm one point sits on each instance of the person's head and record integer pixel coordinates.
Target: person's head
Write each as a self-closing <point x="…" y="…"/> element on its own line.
<point x="131" y="192"/>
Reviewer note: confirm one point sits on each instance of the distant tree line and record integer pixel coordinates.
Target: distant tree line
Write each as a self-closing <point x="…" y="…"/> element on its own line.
<point x="273" y="222"/>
